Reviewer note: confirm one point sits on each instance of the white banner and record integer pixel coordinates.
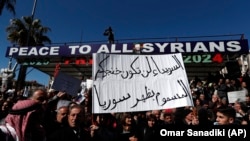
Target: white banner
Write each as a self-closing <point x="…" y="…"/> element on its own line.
<point x="127" y="83"/>
<point x="236" y="95"/>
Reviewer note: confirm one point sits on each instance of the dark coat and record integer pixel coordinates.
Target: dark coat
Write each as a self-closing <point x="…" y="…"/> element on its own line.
<point x="68" y="134"/>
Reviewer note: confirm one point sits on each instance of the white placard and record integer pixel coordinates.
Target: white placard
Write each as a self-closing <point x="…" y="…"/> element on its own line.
<point x="89" y="83"/>
<point x="236" y="95"/>
<point x="127" y="83"/>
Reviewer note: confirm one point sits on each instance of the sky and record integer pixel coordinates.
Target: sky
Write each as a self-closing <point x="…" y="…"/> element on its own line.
<point x="86" y="20"/>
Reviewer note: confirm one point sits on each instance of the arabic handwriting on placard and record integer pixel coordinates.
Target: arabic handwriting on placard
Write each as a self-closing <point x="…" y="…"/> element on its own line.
<point x="104" y="106"/>
<point x="167" y="99"/>
<point x="176" y="96"/>
<point x="147" y="71"/>
<point x="135" y="70"/>
<point x="114" y="101"/>
<point x="162" y="101"/>
<point x="149" y="94"/>
<point x="168" y="70"/>
<point x="102" y="69"/>
<point x="185" y="88"/>
<point x="178" y="61"/>
<point x="120" y="100"/>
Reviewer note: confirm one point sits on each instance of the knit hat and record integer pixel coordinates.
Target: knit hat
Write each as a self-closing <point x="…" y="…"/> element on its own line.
<point x="24" y="106"/>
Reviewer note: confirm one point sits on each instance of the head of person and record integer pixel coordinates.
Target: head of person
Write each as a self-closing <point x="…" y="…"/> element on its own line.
<point x="224" y="101"/>
<point x="61" y="113"/>
<point x="239" y="105"/>
<point x="157" y="113"/>
<point x="247" y="99"/>
<point x="126" y="119"/>
<point x="6" y="106"/>
<point x="25" y="118"/>
<point x="168" y="118"/>
<point x="225" y="116"/>
<point x="205" y="104"/>
<point x="202" y="96"/>
<point x="197" y="102"/>
<point x="75" y="116"/>
<point x="98" y="118"/>
<point x="40" y="95"/>
<point x="104" y="119"/>
<point x="188" y="115"/>
<point x="151" y="120"/>
<point x="215" y="97"/>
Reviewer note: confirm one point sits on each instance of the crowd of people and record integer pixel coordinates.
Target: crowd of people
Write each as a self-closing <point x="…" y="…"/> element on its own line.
<point x="53" y="115"/>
